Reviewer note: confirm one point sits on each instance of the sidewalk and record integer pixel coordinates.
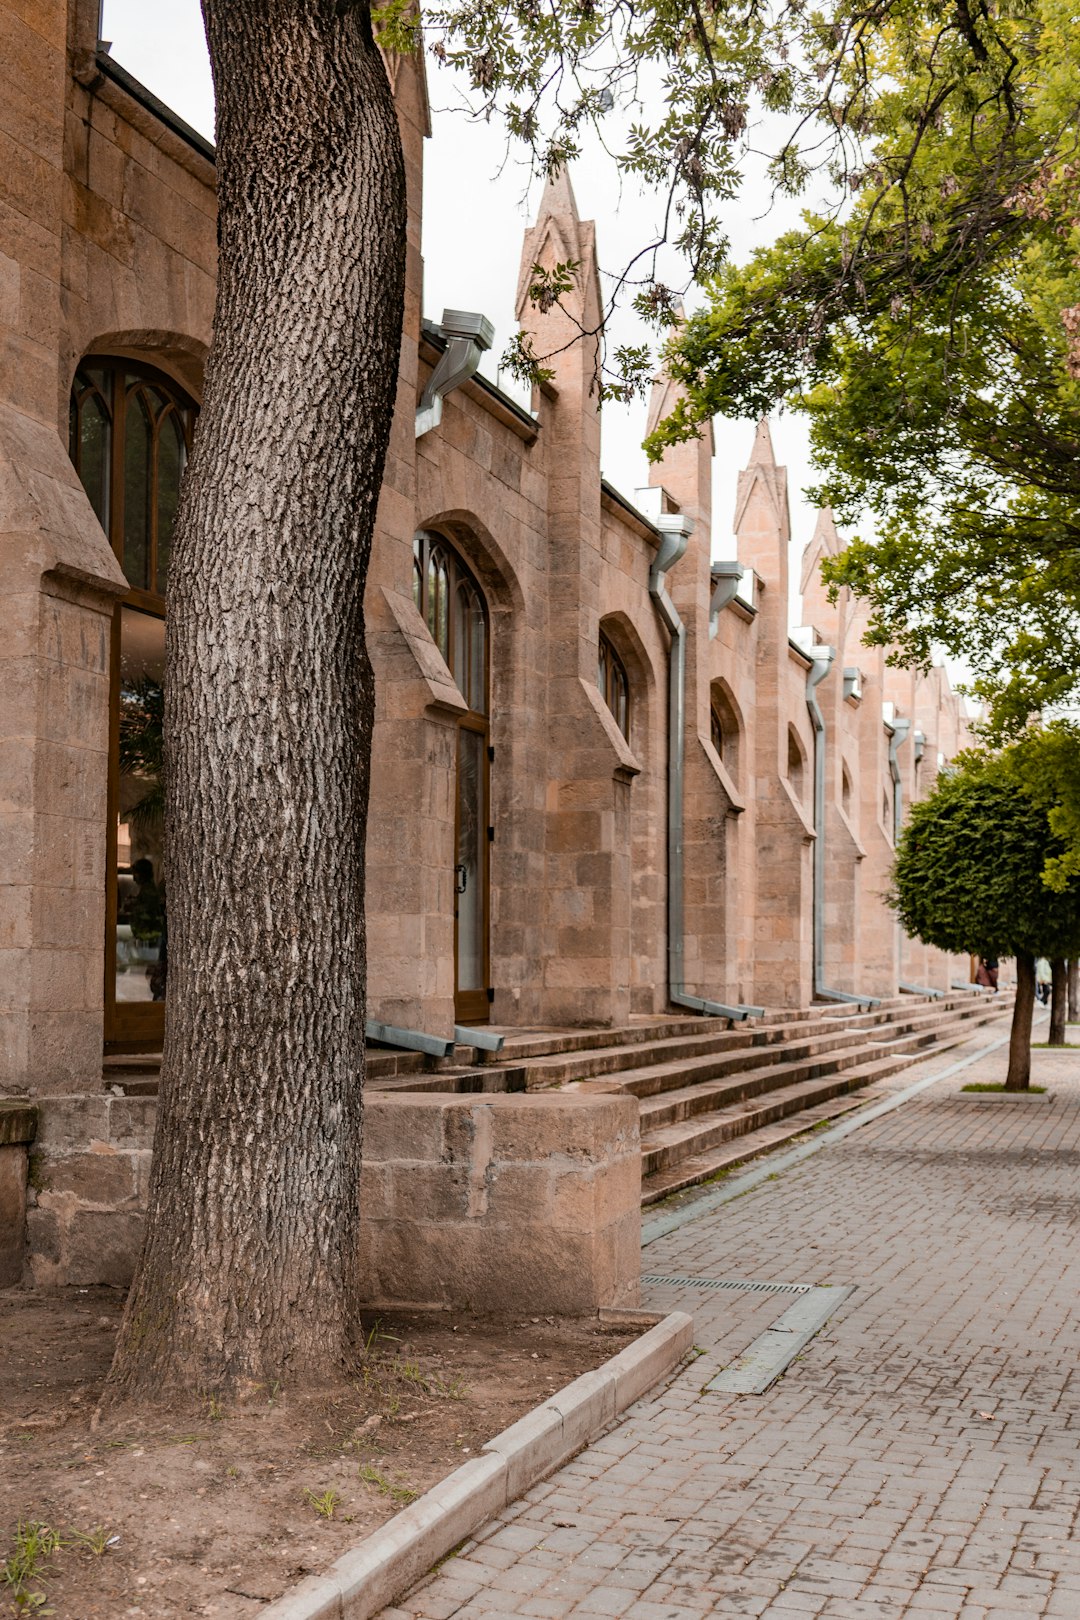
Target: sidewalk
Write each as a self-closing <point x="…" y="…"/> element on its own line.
<point x="919" y="1458"/>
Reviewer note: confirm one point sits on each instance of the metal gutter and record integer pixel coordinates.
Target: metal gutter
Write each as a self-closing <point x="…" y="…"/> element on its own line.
<point x="468" y="334"/>
<point x="675" y="531"/>
<point x="147" y="100"/>
<point x="821" y="659"/>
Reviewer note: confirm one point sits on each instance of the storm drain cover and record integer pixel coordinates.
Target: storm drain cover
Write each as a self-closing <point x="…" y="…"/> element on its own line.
<point x="773" y="1351"/>
<point x="659" y="1281"/>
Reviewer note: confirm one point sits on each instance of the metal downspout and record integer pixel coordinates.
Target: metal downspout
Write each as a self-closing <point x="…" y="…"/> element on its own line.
<point x="468" y="335"/>
<point x="920" y="989"/>
<point x="822" y="657"/>
<point x="897" y="739"/>
<point x="675" y="531"/>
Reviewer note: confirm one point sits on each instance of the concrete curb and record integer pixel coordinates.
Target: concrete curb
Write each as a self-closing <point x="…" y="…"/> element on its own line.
<point x="361" y="1582"/>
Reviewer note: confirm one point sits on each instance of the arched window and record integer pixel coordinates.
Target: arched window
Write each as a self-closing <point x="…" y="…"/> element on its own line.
<point x="130" y="435"/>
<point x="453" y="606"/>
<point x="795" y="764"/>
<point x="130" y="432"/>
<point x="614" y="685"/>
<point x="845" y="790"/>
<point x="724" y="729"/>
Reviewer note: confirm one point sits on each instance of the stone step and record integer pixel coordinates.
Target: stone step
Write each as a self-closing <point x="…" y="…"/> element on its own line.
<point x="682" y="1155"/>
<point x="665" y="1065"/>
<point x="523" y="1045"/>
<point x="686" y="1103"/>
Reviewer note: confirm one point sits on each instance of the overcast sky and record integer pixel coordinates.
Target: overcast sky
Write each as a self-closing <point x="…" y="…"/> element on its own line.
<point x="473" y="221"/>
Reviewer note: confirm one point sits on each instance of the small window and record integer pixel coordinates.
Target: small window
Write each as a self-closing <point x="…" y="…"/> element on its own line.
<point x="795" y="765"/>
<point x="845" y="790"/>
<point x="612" y="680"/>
<point x="724" y="729"/>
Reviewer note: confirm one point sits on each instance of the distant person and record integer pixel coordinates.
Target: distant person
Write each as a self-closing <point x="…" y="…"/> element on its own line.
<point x="985" y="975"/>
<point x="1044" y="978"/>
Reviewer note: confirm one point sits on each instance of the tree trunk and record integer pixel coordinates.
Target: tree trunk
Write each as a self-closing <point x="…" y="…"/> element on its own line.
<point x="248" y="1271"/>
<point x="1019" y="1075"/>
<point x="1058" y="996"/>
<point x="1074" y="992"/>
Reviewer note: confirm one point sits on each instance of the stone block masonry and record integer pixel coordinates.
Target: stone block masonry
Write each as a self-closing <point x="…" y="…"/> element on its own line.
<point x="494" y="1203"/>
<point x="505" y="1203"/>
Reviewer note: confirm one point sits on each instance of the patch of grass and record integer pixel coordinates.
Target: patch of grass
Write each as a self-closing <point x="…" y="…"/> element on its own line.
<point x="323" y="1502"/>
<point x="1057" y="1046"/>
<point x="387" y="1487"/>
<point x="94" y="1541"/>
<point x="23" y="1569"/>
<point x="214" y="1409"/>
<point x="999" y="1086"/>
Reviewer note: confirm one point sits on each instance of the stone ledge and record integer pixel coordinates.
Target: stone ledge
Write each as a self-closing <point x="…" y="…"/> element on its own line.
<point x="18" y="1123"/>
<point x="384" y="1565"/>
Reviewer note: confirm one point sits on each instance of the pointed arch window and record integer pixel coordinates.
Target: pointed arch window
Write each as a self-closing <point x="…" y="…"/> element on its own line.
<point x="130" y="431"/>
<point x="614" y="684"/>
<point x="454" y="609"/>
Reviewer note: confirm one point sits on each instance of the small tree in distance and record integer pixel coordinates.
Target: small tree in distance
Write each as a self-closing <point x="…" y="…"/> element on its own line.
<point x="969" y="878"/>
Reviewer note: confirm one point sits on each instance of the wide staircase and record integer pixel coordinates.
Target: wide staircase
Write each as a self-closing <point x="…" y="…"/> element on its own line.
<point x="712" y="1095"/>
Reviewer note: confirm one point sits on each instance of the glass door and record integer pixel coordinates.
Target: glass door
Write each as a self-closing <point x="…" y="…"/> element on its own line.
<point x="471" y="878"/>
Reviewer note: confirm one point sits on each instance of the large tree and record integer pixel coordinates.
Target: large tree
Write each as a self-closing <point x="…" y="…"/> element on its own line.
<point x="248" y="1268"/>
<point x="968" y="878"/>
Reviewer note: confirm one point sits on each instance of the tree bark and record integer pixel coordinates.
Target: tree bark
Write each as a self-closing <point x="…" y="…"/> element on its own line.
<point x="248" y="1271"/>
<point x="1058" y="996"/>
<point x="1019" y="1075"/>
<point x="1074" y="991"/>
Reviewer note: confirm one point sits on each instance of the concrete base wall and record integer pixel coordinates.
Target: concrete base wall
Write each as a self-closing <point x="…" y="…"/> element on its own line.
<point x="502" y="1203"/>
<point x="498" y="1203"/>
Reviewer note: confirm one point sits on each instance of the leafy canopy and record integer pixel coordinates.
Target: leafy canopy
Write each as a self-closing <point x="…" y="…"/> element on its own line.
<point x="929" y="332"/>
<point x="969" y="865"/>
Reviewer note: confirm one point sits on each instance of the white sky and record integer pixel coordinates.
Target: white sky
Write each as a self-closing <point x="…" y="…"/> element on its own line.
<point x="473" y="222"/>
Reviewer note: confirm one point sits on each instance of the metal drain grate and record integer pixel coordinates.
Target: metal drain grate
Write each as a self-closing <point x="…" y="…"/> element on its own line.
<point x="727" y="1282"/>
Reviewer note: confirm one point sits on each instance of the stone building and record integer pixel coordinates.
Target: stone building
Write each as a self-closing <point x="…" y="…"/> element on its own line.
<point x="555" y="838"/>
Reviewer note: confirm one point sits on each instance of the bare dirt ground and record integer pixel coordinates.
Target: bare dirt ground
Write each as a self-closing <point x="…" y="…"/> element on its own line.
<point x="215" y="1511"/>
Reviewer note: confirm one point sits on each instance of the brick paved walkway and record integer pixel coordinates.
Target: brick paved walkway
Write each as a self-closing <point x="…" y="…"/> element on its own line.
<point x="920" y="1458"/>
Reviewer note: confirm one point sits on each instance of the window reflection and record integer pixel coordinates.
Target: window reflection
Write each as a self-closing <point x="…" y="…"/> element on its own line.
<point x="141" y="935"/>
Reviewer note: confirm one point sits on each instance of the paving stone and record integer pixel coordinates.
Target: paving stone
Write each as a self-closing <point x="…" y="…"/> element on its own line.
<point x="920" y="1458"/>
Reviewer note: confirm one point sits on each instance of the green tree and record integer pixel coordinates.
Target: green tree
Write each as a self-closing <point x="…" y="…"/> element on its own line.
<point x="928" y="330"/>
<point x="968" y="877"/>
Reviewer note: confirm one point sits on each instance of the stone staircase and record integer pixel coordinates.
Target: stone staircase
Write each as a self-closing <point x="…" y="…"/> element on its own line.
<point x="711" y="1095"/>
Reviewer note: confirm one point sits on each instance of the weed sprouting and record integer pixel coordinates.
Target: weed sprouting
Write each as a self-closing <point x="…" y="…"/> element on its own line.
<point x="387" y="1487"/>
<point x="23" y="1569"/>
<point x="323" y="1502"/>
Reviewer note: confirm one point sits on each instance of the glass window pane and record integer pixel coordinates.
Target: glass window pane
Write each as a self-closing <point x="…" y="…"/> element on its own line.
<point x="140" y="943"/>
<point x="94" y="444"/>
<point x="137" y="493"/>
<point x="477" y="693"/>
<point x="172" y="455"/>
<point x="470" y="875"/>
